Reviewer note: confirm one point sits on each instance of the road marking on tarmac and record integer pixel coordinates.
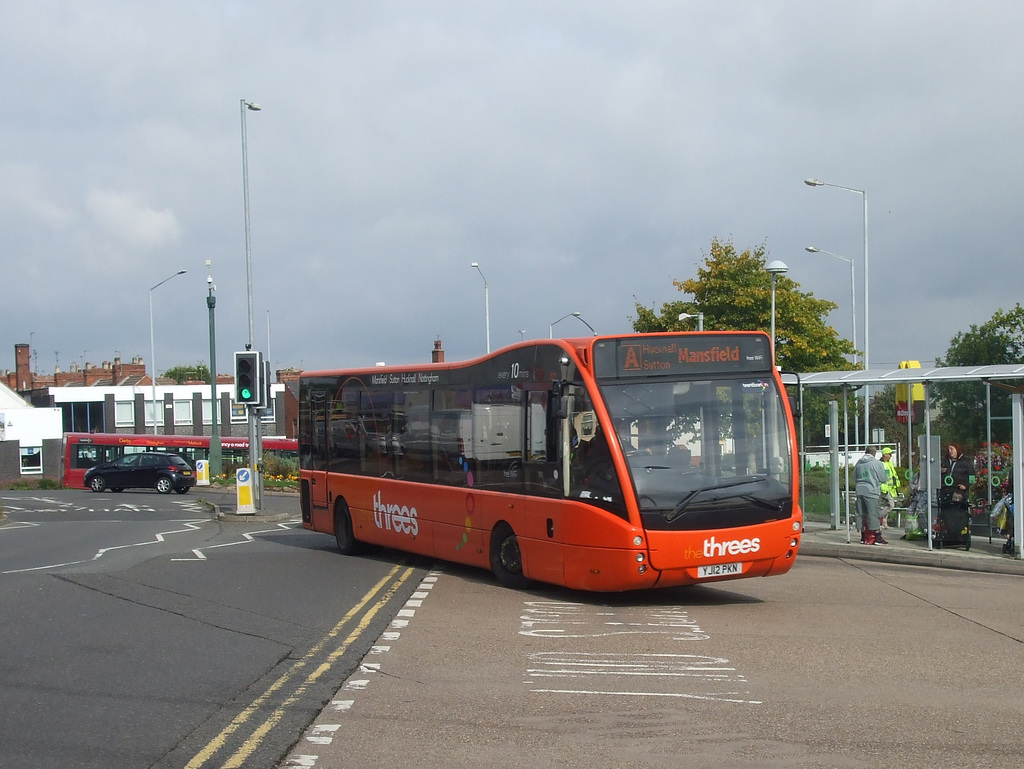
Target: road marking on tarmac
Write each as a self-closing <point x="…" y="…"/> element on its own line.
<point x="322" y="733"/>
<point x="671" y="675"/>
<point x="361" y="614"/>
<point x="247" y="538"/>
<point x="156" y="539"/>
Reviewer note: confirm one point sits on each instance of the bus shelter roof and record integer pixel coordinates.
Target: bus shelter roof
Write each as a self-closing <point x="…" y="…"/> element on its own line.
<point x="1000" y="373"/>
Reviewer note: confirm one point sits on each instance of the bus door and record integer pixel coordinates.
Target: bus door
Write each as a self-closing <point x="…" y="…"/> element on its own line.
<point x="540" y="520"/>
<point x="313" y="454"/>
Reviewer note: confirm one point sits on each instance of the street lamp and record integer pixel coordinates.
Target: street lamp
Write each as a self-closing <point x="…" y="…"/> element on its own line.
<point x="853" y="291"/>
<point x="580" y="319"/>
<point x="699" y="316"/>
<point x="487" y="306"/>
<point x="243" y="107"/>
<point x="216" y="454"/>
<point x="152" y="344"/>
<point x="551" y="327"/>
<point x="867" y="326"/>
<point x="775" y="268"/>
<point x="853" y="309"/>
<point x="254" y="448"/>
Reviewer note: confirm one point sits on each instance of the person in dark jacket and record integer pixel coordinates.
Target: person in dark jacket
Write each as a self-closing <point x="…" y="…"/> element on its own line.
<point x="869" y="474"/>
<point x="956" y="475"/>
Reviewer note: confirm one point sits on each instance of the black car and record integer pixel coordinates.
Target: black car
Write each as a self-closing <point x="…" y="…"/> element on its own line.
<point x="143" y="470"/>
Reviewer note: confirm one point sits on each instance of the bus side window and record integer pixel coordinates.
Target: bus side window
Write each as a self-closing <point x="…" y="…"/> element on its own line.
<point x="541" y="446"/>
<point x="86" y="456"/>
<point x="451" y="432"/>
<point x="594" y="478"/>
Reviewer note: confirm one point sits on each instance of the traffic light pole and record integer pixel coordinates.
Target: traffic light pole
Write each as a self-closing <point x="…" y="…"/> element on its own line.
<point x="254" y="454"/>
<point x="249" y="391"/>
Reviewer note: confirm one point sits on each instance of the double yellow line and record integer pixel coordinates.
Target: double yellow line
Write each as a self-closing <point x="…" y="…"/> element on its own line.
<point x="292" y="675"/>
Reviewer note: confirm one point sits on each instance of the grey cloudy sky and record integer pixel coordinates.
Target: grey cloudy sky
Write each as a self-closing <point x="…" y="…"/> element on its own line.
<point x="584" y="153"/>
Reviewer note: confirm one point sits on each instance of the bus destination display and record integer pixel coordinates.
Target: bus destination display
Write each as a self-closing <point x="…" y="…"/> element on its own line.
<point x="683" y="355"/>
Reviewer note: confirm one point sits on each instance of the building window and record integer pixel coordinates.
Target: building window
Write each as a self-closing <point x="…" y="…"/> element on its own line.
<point x="182" y="412"/>
<point x="238" y="412"/>
<point x="31" y="460"/>
<point x="124" y="413"/>
<point x="159" y="414"/>
<point x="207" y="412"/>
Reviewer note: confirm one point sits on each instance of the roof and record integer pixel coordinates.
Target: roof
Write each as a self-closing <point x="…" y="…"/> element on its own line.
<point x="1001" y="373"/>
<point x="11" y="400"/>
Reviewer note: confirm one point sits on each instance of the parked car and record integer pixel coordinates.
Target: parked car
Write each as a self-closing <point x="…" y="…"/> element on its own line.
<point x="142" y="470"/>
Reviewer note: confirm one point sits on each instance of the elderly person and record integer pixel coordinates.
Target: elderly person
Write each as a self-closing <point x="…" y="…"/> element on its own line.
<point x="869" y="474"/>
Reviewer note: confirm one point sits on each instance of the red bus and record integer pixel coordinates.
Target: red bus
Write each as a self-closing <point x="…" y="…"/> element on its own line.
<point x="605" y="463"/>
<point x="84" y="450"/>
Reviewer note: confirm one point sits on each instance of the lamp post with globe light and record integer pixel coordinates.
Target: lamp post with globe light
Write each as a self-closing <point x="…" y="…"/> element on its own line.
<point x="775" y="268"/>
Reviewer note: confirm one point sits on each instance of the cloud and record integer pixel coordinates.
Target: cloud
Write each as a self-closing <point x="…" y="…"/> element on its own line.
<point x="131" y="223"/>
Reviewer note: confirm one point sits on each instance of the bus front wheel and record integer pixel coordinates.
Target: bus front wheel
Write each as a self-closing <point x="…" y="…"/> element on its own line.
<point x="506" y="558"/>
<point x="343" y="530"/>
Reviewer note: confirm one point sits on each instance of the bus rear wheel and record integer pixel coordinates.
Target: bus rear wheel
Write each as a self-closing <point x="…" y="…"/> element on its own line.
<point x="343" y="530"/>
<point x="506" y="558"/>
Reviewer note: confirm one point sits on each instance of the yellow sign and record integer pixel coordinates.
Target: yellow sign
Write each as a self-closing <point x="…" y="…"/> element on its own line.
<point x="202" y="472"/>
<point x="916" y="390"/>
<point x="243" y="492"/>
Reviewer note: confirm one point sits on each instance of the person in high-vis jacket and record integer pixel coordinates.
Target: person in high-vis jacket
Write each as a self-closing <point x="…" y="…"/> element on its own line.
<point x="890" y="490"/>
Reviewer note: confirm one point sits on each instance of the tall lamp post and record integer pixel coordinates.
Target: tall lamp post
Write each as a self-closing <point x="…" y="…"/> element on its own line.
<point x="775" y="268"/>
<point x="152" y="344"/>
<point x="211" y="305"/>
<point x="254" y="448"/>
<point x="487" y="305"/>
<point x="853" y="290"/>
<point x="699" y="316"/>
<point x="867" y="325"/>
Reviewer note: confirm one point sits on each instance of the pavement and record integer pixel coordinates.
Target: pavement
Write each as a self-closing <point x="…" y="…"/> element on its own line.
<point x="223" y="501"/>
<point x="819" y="539"/>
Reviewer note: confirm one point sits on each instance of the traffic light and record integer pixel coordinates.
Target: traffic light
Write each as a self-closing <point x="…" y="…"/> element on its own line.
<point x="249" y="378"/>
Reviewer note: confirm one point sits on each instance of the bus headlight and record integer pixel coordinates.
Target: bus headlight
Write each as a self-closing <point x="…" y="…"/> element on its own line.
<point x="639" y="557"/>
<point x="638" y="540"/>
<point x="797" y="525"/>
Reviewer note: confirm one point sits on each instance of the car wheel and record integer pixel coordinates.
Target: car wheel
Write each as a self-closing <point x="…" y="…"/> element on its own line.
<point x="163" y="485"/>
<point x="182" y="490"/>
<point x="97" y="483"/>
<point x="118" y="490"/>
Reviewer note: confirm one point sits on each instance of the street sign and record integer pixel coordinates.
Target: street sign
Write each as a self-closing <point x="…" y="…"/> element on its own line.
<point x="243" y="492"/>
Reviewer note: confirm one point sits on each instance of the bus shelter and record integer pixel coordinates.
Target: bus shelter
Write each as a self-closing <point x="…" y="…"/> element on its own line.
<point x="1006" y="377"/>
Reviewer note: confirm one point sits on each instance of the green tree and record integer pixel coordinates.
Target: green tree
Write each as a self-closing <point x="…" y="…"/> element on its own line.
<point x="962" y="405"/>
<point x="196" y="372"/>
<point x="733" y="290"/>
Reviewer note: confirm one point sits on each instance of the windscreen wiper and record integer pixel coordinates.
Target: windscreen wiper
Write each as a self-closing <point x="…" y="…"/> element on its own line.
<point x="683" y="503"/>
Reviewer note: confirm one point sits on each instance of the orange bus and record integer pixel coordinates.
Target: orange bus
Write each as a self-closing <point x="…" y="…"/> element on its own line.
<point x="84" y="450"/>
<point x="605" y="463"/>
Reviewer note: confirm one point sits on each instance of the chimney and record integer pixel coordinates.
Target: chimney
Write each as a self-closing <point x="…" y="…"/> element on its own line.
<point x="22" y="368"/>
<point x="437" y="354"/>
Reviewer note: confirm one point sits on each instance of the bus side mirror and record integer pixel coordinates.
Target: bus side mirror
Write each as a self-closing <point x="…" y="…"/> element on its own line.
<point x="794" y="406"/>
